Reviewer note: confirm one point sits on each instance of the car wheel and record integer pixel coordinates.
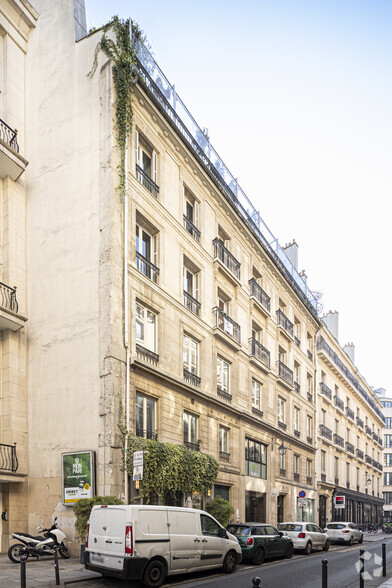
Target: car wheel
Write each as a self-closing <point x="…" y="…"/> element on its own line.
<point x="289" y="552"/>
<point x="17" y="553"/>
<point x="326" y="545"/>
<point x="308" y="548"/>
<point x="259" y="557"/>
<point x="229" y="562"/>
<point x="154" y="574"/>
<point x="360" y="540"/>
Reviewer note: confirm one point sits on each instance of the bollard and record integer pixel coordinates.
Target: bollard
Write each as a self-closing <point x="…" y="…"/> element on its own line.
<point x="384" y="560"/>
<point x="22" y="573"/>
<point x="256" y="582"/>
<point x="361" y="568"/>
<point x="324" y="572"/>
<point x="56" y="567"/>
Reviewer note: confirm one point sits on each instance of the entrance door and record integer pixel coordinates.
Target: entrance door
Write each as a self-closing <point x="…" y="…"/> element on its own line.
<point x="280" y="509"/>
<point x="322" y="511"/>
<point x="255" y="507"/>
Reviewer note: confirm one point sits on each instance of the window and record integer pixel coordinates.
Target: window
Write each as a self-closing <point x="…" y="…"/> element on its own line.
<point x="297" y="330"/>
<point x="255" y="459"/>
<point x="146" y="164"/>
<point x="191" y="287"/>
<point x="388" y="459"/>
<point x="145" y="416"/>
<point x="282" y="463"/>
<point x="309" y="384"/>
<point x="190" y="430"/>
<point x="209" y="526"/>
<point x="323" y="460"/>
<point x="336" y="467"/>
<point x="323" y="418"/>
<point x="223" y="373"/>
<point x="309" y="343"/>
<point x="296" y="464"/>
<point x="256" y="395"/>
<point x="223" y="443"/>
<point x="387" y="497"/>
<point x="190" y="357"/>
<point x="309" y="427"/>
<point x="388" y="422"/>
<point x="297" y="374"/>
<point x="222" y="491"/>
<point x="386" y="403"/>
<point x="308" y="468"/>
<point x="388" y="479"/>
<point x="146" y="252"/>
<point x="387" y="440"/>
<point x="281" y="410"/>
<point x="296" y="419"/>
<point x="348" y="473"/>
<point x="191" y="215"/>
<point x="145" y="327"/>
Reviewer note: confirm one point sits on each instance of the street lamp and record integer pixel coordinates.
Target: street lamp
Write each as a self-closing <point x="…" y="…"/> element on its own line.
<point x="282" y="449"/>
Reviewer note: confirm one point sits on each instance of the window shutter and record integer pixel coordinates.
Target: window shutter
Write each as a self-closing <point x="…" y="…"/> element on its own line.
<point x="155" y="167"/>
<point x="137" y="148"/>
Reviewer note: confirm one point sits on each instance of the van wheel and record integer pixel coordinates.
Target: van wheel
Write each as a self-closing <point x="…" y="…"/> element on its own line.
<point x="229" y="562"/>
<point x="154" y="574"/>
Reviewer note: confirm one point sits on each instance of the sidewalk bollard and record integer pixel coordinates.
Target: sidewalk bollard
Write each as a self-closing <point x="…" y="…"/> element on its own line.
<point x="362" y="568"/>
<point x="56" y="567"/>
<point x="384" y="560"/>
<point x="256" y="582"/>
<point x="22" y="573"/>
<point x="324" y="576"/>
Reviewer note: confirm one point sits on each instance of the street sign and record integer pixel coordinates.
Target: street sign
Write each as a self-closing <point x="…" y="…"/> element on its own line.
<point x="302" y="494"/>
<point x="138" y="458"/>
<point x="302" y="502"/>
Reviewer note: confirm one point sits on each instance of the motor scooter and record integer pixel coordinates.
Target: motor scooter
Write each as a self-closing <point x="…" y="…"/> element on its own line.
<point x="39" y="545"/>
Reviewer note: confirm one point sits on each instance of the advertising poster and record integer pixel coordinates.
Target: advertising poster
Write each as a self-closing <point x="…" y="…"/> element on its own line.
<point x="78" y="476"/>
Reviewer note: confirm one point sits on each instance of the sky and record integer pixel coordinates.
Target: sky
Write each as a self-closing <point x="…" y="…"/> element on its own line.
<point x="297" y="99"/>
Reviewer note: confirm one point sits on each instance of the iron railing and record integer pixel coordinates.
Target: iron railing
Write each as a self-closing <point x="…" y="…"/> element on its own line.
<point x="284" y="322"/>
<point x="368" y="459"/>
<point x="261" y="296"/>
<point x="227" y="325"/>
<point x="146" y="434"/>
<point x="368" y="430"/>
<point x="191" y="303"/>
<point x="223" y="394"/>
<point x="260" y="352"/>
<point x="192" y="379"/>
<point x="9" y="136"/>
<point x="360" y="454"/>
<point x="190" y="227"/>
<point x="165" y="97"/>
<point x="285" y="373"/>
<point x="192" y="446"/>
<point x="323" y="477"/>
<point x="147" y="181"/>
<point x="8" y="458"/>
<point x="8" y="298"/>
<point x="326" y="432"/>
<point x="338" y="440"/>
<point x="297" y="387"/>
<point x="223" y="254"/>
<point x="349" y="447"/>
<point x="339" y="402"/>
<point x="360" y="423"/>
<point x="325" y="390"/>
<point x="223" y="456"/>
<point x="350" y="413"/>
<point x="146" y="267"/>
<point x="147" y="355"/>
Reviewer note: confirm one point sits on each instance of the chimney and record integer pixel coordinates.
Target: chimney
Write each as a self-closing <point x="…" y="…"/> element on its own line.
<point x="291" y="251"/>
<point x="350" y="350"/>
<point x="331" y="321"/>
<point x="304" y="276"/>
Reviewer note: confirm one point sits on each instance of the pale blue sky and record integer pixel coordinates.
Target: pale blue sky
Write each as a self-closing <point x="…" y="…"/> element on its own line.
<point x="297" y="97"/>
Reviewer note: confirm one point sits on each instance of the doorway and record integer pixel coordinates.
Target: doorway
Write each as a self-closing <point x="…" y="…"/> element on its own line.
<point x="280" y="508"/>
<point x="322" y="511"/>
<point x="255" y="507"/>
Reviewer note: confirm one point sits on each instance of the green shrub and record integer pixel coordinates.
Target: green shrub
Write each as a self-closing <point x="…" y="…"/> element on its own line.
<point x="83" y="508"/>
<point x="220" y="509"/>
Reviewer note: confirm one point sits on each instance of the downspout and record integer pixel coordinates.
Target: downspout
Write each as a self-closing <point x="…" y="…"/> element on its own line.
<point x="126" y="325"/>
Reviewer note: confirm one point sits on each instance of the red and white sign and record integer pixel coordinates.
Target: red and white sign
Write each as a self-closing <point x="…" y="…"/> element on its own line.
<point x="340" y="502"/>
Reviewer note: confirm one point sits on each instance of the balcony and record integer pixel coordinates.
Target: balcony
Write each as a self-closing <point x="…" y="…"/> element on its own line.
<point x="191" y="303"/>
<point x="8" y="458"/>
<point x="147" y="181"/>
<point x="325" y="432"/>
<point x="338" y="440"/>
<point x="339" y="402"/>
<point x="350" y="447"/>
<point x="9" y="309"/>
<point x="296" y="477"/>
<point x="258" y="294"/>
<point x="223" y="456"/>
<point x="147" y="355"/>
<point x="190" y="227"/>
<point x="223" y="394"/>
<point x="350" y="413"/>
<point x="146" y="434"/>
<point x="360" y="454"/>
<point x="227" y="259"/>
<point x="192" y="446"/>
<point x="325" y="391"/>
<point x="323" y="477"/>
<point x="336" y="481"/>
<point x="285" y="325"/>
<point x="309" y="480"/>
<point x="11" y="163"/>
<point x="368" y="431"/>
<point x="309" y="354"/>
<point x="285" y="373"/>
<point x="192" y="379"/>
<point x="297" y="433"/>
<point x="297" y="341"/>
<point x="310" y="397"/>
<point x="297" y="387"/>
<point x="368" y="459"/>
<point x="282" y="472"/>
<point x="360" y="423"/>
<point x="259" y="352"/>
<point x="146" y="267"/>
<point x="225" y="324"/>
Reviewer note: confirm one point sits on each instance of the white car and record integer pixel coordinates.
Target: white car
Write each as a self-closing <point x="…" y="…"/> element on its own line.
<point x="305" y="536"/>
<point x="343" y="531"/>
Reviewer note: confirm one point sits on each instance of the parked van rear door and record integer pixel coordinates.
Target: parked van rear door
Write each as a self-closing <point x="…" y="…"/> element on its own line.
<point x="107" y="537"/>
<point x="185" y="539"/>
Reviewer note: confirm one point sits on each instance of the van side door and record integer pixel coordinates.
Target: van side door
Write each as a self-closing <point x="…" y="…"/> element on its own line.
<point x="185" y="540"/>
<point x="214" y="546"/>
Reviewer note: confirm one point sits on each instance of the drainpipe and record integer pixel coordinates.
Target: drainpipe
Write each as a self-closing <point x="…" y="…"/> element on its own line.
<point x="126" y="323"/>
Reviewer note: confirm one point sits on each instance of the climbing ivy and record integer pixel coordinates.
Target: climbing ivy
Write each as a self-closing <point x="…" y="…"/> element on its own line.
<point x="121" y="52"/>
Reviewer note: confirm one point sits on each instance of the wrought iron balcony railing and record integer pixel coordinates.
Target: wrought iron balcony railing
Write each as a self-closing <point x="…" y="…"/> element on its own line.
<point x="260" y="352"/>
<point x="262" y="298"/>
<point x="297" y="387"/>
<point x="338" y="440"/>
<point x="350" y="413"/>
<point x="192" y="230"/>
<point x="285" y="323"/>
<point x="323" y="477"/>
<point x="147" y="355"/>
<point x="326" y="432"/>
<point x="309" y="480"/>
<point x="368" y="430"/>
<point x="223" y="394"/>
<point x="336" y="481"/>
<point x="223" y="254"/>
<point x="360" y="454"/>
<point x="325" y="390"/>
<point x="146" y="434"/>
<point x="227" y="325"/>
<point x="192" y="379"/>
<point x="297" y="341"/>
<point x="8" y="458"/>
<point x="223" y="456"/>
<point x="147" y="181"/>
<point x="368" y="459"/>
<point x="349" y="447"/>
<point x="8" y="298"/>
<point x="146" y="267"/>
<point x="339" y="402"/>
<point x="285" y="373"/>
<point x="309" y="354"/>
<point x="192" y="446"/>
<point x="9" y="136"/>
<point x="296" y="477"/>
<point x="191" y="303"/>
<point x="360" y="423"/>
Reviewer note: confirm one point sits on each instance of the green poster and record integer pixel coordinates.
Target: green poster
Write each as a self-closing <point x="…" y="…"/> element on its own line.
<point x="78" y="476"/>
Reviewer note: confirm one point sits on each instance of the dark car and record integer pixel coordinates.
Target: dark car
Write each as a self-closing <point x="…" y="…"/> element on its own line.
<point x="260" y="541"/>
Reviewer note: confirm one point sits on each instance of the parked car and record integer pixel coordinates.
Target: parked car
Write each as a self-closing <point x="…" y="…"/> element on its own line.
<point x="260" y="541"/>
<point x="305" y="536"/>
<point x="344" y="532"/>
<point x="134" y="542"/>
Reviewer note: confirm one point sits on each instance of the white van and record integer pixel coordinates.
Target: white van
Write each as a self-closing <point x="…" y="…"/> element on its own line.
<point x="150" y="542"/>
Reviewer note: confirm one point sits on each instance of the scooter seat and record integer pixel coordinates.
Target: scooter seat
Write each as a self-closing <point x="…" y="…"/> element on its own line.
<point x="37" y="537"/>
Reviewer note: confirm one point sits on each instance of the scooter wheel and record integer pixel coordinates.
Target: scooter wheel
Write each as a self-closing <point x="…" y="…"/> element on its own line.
<point x="17" y="553"/>
<point x="64" y="551"/>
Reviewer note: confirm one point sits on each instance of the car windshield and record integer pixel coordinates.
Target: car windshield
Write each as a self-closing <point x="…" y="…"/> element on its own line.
<point x="289" y="527"/>
<point x="239" y="530"/>
<point x="335" y="526"/>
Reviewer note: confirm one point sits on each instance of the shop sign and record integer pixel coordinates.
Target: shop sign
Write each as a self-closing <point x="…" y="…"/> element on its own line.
<point x="340" y="502"/>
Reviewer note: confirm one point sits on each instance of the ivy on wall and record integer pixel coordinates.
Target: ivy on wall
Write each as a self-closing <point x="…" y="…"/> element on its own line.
<point x="121" y="52"/>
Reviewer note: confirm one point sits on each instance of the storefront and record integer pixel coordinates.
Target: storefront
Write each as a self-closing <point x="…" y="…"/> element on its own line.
<point x="362" y="509"/>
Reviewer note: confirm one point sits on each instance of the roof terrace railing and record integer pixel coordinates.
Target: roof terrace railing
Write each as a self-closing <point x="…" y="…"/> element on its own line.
<point x="165" y="94"/>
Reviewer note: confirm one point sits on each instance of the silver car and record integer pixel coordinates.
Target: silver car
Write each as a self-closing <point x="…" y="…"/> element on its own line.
<point x="305" y="536"/>
<point x="344" y="532"/>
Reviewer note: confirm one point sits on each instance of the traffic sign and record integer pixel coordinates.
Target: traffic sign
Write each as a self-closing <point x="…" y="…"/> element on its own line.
<point x="302" y="494"/>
